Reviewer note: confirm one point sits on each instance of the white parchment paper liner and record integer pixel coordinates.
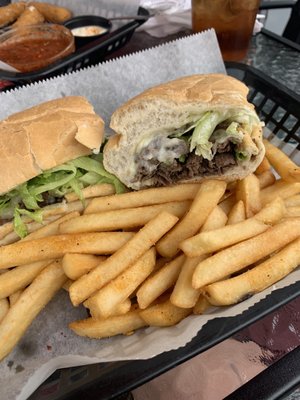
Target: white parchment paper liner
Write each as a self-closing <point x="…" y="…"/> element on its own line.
<point x="48" y="344"/>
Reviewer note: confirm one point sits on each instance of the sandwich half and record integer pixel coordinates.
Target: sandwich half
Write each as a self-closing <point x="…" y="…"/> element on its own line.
<point x="193" y="128"/>
<point x="45" y="152"/>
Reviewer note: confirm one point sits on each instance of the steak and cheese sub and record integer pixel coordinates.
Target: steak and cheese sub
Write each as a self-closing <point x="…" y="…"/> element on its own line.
<point x="186" y="130"/>
<point x="45" y="152"/>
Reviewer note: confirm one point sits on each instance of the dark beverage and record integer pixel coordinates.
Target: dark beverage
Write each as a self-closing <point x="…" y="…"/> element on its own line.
<point x="233" y="21"/>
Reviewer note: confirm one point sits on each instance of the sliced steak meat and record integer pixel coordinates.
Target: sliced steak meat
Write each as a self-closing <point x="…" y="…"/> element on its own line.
<point x="167" y="174"/>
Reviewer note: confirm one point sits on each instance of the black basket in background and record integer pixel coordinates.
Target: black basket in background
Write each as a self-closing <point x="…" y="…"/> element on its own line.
<point x="276" y="105"/>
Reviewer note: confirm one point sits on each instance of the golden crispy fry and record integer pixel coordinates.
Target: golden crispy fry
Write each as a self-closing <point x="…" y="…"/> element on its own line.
<point x="209" y="242"/>
<point x="237" y="213"/>
<point x="14" y="297"/>
<point x="4" y="307"/>
<point x="164" y="314"/>
<point x="286" y="168"/>
<point x="201" y="306"/>
<point x="29" y="16"/>
<point x="208" y="196"/>
<point x="51" y="228"/>
<point x="263" y="166"/>
<point x="123" y="258"/>
<point x="279" y="189"/>
<point x="101" y="189"/>
<point x="237" y="257"/>
<point x="144" y="197"/>
<point x="272" y="212"/>
<point x="30" y="303"/>
<point x="227" y="204"/>
<point x="75" y="264"/>
<point x="102" y="328"/>
<point x="120" y="309"/>
<point x="293" y="201"/>
<point x="67" y="285"/>
<point x="257" y="279"/>
<point x="119" y="289"/>
<point x="53" y="247"/>
<point x="159" y="282"/>
<point x="184" y="294"/>
<point x="20" y="277"/>
<point x="266" y="179"/>
<point x="51" y="12"/>
<point x="292" y="211"/>
<point x="248" y="190"/>
<point x="35" y="229"/>
<point x="216" y="219"/>
<point x="122" y="219"/>
<point x="11" y="12"/>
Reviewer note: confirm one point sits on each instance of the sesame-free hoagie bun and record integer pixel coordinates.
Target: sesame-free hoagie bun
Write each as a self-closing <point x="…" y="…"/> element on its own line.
<point x="46" y="136"/>
<point x="186" y="130"/>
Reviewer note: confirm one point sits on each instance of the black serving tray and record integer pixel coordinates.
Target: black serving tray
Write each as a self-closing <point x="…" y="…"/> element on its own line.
<point x="90" y="54"/>
<point x="280" y="109"/>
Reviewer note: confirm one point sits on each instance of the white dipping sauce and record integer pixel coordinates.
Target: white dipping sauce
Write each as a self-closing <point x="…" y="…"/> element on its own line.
<point x="91" y="30"/>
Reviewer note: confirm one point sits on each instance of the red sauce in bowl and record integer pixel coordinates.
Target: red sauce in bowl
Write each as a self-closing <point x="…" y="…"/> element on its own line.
<point x="32" y="48"/>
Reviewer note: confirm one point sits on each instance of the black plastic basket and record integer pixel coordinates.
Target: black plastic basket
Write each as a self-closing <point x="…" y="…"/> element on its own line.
<point x="87" y="55"/>
<point x="279" y="107"/>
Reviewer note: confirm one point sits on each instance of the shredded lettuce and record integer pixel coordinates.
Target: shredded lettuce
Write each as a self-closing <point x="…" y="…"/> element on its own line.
<point x="56" y="182"/>
<point x="204" y="137"/>
<point x="202" y="133"/>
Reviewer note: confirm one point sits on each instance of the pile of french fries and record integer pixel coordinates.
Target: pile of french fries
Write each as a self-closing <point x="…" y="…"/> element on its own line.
<point x="155" y="256"/>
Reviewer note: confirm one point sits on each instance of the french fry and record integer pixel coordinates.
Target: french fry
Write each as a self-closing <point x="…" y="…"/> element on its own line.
<point x="237" y="213"/>
<point x="101" y="189"/>
<point x="286" y="168"/>
<point x="248" y="190"/>
<point x="33" y="299"/>
<point x="279" y="189"/>
<point x="142" y="198"/>
<point x="272" y="212"/>
<point x="257" y="279"/>
<point x="4" y="307"/>
<point x="266" y="179"/>
<point x="120" y="309"/>
<point x="67" y="285"/>
<point x="207" y="198"/>
<point x="209" y="242"/>
<point x="201" y="306"/>
<point x="159" y="282"/>
<point x="75" y="265"/>
<point x="123" y="258"/>
<point x="120" y="288"/>
<point x="293" y="201"/>
<point x="164" y="314"/>
<point x="48" y="227"/>
<point x="227" y="204"/>
<point x="263" y="166"/>
<point x="14" y="297"/>
<point x="292" y="212"/>
<point x="237" y="257"/>
<point x="122" y="219"/>
<point x="53" y="247"/>
<point x="216" y="219"/>
<point x="20" y="277"/>
<point x="184" y="294"/>
<point x="51" y="228"/>
<point x="103" y="328"/>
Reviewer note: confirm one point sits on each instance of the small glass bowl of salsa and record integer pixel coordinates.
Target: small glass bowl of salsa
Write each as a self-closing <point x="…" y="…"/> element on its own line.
<point x="30" y="48"/>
